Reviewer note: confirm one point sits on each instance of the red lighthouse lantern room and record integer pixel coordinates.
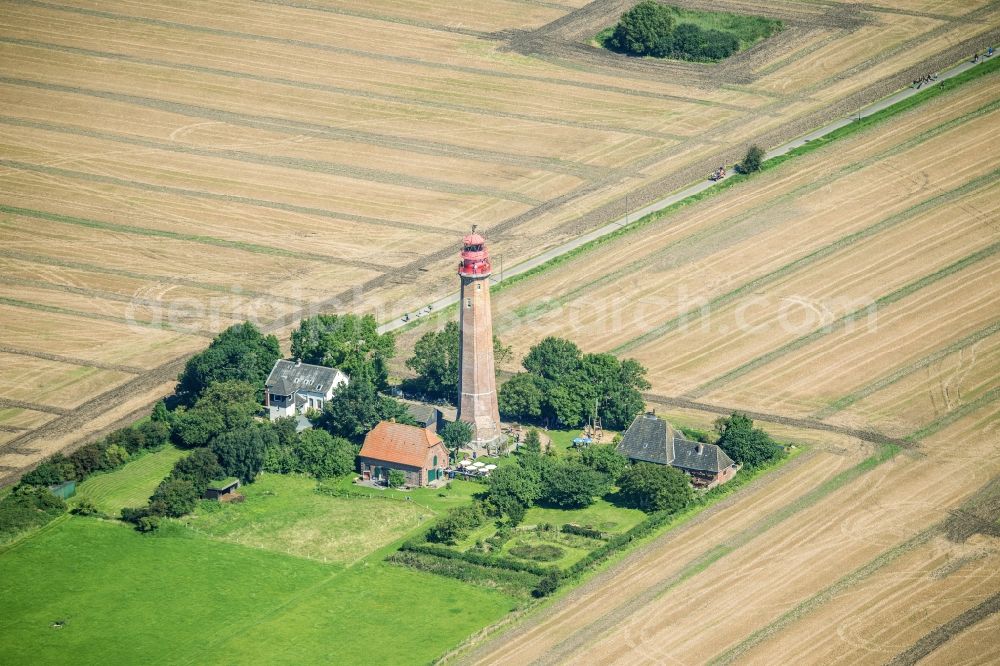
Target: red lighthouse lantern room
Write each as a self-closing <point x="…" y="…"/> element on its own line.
<point x="475" y="256"/>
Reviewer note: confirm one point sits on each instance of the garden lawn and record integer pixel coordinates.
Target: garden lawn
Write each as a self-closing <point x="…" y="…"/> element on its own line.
<point x="176" y="597"/>
<point x="601" y="515"/>
<point x="284" y="513"/>
<point x="132" y="484"/>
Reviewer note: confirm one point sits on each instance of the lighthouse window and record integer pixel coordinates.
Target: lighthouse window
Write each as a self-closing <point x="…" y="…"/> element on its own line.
<point x="479" y="286"/>
<point x="468" y="302"/>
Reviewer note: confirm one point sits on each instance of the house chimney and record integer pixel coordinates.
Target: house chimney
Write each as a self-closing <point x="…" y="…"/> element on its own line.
<point x="298" y="362"/>
<point x="699" y="448"/>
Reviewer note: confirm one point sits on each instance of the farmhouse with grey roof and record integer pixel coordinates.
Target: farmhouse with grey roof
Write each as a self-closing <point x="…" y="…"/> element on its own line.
<point x="653" y="440"/>
<point x="294" y="387"/>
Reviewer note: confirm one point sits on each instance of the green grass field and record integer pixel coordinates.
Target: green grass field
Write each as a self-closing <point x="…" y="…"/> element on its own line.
<point x="286" y="514"/>
<point x="132" y="484"/>
<point x="178" y="597"/>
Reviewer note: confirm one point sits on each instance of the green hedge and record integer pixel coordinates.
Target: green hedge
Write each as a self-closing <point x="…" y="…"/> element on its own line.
<point x="474" y="558"/>
<point x="589" y="532"/>
<point x="514" y="583"/>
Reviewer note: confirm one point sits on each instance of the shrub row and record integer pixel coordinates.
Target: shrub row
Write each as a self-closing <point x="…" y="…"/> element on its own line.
<point x="26" y="507"/>
<point x="474" y="558"/>
<point x="104" y="455"/>
<point x="581" y="530"/>
<point x="620" y="542"/>
<point x="514" y="583"/>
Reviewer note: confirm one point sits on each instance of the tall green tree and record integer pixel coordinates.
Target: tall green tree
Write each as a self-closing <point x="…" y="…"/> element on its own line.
<point x="572" y="485"/>
<point x="241" y="452"/>
<point x="240" y="353"/>
<point x="348" y="342"/>
<point x="744" y="443"/>
<point x="201" y="467"/>
<point x="323" y="455"/>
<point x="652" y="487"/>
<point x="512" y="488"/>
<point x="435" y="360"/>
<point x="356" y="408"/>
<point x="223" y="406"/>
<point x="605" y="459"/>
<point x="644" y="30"/>
<point x="455" y="435"/>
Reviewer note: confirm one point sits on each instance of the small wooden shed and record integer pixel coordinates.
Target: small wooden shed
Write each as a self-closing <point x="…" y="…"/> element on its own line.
<point x="219" y="489"/>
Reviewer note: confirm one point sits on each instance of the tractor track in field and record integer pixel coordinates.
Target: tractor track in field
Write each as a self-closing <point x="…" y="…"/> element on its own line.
<point x="941" y="635"/>
<point x="370" y="55"/>
<point x="873" y="436"/>
<point x="59" y="358"/>
<point x="351" y="92"/>
<point x="146" y="277"/>
<point x="65" y="424"/>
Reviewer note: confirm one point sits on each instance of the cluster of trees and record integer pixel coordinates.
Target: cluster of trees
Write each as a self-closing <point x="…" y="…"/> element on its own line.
<point x="435" y="360"/>
<point x="752" y="161"/>
<point x="107" y="454"/>
<point x="562" y="386"/>
<point x="358" y="407"/>
<point x="349" y="342"/>
<point x="649" y="29"/>
<point x="745" y="444"/>
<point x="240" y="353"/>
<point x="27" y="506"/>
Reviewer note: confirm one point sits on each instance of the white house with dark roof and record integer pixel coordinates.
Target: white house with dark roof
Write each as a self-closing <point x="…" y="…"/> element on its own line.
<point x="653" y="440"/>
<point x="294" y="387"/>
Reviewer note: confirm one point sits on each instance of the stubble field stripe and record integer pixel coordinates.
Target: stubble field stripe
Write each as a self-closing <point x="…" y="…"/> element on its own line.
<point x="103" y="295"/>
<point x="6" y="403"/>
<point x="821" y="332"/>
<point x="339" y="90"/>
<point x="173" y="235"/>
<point x="146" y="277"/>
<point x="378" y="56"/>
<point x="534" y="309"/>
<point x="825" y="251"/>
<point x="297" y="128"/>
<point x="584" y="636"/>
<point x="954" y="415"/>
<point x="59" y="358"/>
<point x="941" y="635"/>
<point x="128" y="321"/>
<point x="374" y="16"/>
<point x="823" y="597"/>
<point x="896" y="375"/>
<point x="362" y="174"/>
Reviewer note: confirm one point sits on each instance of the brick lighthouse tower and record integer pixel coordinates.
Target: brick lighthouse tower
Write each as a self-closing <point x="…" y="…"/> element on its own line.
<point x="477" y="388"/>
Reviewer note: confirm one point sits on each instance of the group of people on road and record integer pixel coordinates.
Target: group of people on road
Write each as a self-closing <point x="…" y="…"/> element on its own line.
<point x="719" y="174"/>
<point x="927" y="80"/>
<point x="976" y="57"/>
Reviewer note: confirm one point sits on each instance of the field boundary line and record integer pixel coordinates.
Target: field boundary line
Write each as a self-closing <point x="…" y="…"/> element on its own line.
<point x="872" y="436"/>
<point x="948" y="418"/>
<point x="730" y="222"/>
<point x="586" y="635"/>
<point x="887" y="299"/>
<point x="9" y="403"/>
<point x="893" y="377"/>
<point x="872" y="115"/>
<point x="252" y="248"/>
<point x="827" y="594"/>
<point x="58" y="358"/>
<point x="347" y="92"/>
<point x="145" y="277"/>
<point x="372" y="55"/>
<point x="127" y="321"/>
<point x="937" y="637"/>
<point x="984" y="181"/>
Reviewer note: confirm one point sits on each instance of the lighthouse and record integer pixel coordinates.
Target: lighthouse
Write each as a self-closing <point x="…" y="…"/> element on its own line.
<point x="477" y="387"/>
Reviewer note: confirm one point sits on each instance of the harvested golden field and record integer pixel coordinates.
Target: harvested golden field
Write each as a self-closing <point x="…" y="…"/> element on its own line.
<point x="169" y="168"/>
